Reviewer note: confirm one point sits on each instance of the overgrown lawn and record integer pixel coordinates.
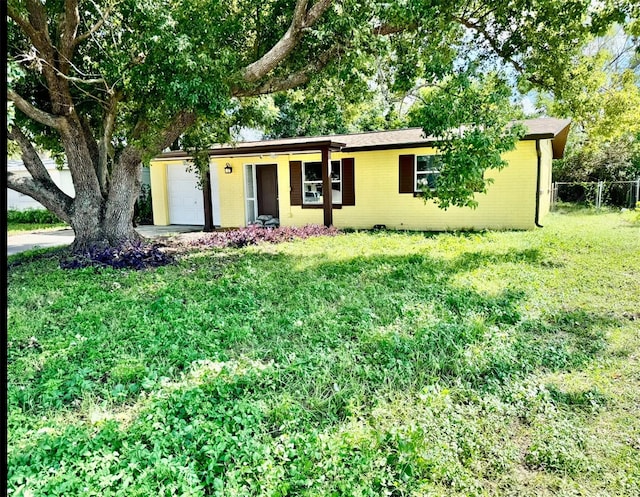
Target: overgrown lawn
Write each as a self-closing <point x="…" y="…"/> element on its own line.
<point x="365" y="364"/>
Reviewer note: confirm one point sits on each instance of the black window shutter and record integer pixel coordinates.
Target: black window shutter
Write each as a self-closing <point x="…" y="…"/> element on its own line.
<point x="295" y="178"/>
<point x="348" y="182"/>
<point x="406" y="173"/>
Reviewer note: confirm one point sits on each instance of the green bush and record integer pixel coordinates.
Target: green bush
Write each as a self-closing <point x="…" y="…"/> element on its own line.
<point x="32" y="216"/>
<point x="143" y="210"/>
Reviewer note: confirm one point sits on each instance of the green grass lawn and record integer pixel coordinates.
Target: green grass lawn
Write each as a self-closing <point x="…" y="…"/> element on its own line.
<point x="19" y="228"/>
<point x="367" y="364"/>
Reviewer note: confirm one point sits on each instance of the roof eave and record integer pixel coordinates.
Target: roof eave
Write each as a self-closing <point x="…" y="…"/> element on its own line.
<point x="560" y="142"/>
<point x="261" y="150"/>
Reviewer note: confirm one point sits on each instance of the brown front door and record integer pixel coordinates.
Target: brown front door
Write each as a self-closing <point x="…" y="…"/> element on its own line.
<point x="267" y="182"/>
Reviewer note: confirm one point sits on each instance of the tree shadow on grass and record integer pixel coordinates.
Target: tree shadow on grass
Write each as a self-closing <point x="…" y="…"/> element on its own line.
<point x="395" y="321"/>
<point x="298" y="346"/>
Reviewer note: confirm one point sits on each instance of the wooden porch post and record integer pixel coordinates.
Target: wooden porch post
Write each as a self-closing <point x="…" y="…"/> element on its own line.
<point x="208" y="205"/>
<point x="326" y="187"/>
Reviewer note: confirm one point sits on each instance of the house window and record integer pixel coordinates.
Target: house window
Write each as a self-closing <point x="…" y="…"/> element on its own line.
<point x="427" y="171"/>
<point x="312" y="183"/>
<point x="250" y="194"/>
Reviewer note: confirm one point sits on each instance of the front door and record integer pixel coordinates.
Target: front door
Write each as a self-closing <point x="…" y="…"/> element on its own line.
<point x="267" y="184"/>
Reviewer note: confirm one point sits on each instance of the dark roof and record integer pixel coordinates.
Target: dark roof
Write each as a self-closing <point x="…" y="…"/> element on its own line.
<point x="540" y="128"/>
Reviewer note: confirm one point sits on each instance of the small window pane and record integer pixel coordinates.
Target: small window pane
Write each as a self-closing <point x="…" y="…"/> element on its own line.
<point x="336" y="182"/>
<point x="313" y="171"/>
<point x="423" y="163"/>
<point x="248" y="176"/>
<point x="427" y="171"/>
<point x="428" y="163"/>
<point x="251" y="211"/>
<point x="313" y="194"/>
<point x="428" y="180"/>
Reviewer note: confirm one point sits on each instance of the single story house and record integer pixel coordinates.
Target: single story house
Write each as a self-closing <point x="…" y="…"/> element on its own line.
<point x="353" y="181"/>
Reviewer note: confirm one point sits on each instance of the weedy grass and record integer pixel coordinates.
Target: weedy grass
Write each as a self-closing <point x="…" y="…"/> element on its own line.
<point x="363" y="364"/>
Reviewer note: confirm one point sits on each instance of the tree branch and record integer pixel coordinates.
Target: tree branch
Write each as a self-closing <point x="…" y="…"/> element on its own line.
<point x="35" y="36"/>
<point x="499" y="50"/>
<point x="391" y="29"/>
<point x="69" y="32"/>
<point x="179" y="124"/>
<point x="103" y="18"/>
<point x="56" y="200"/>
<point x="293" y="80"/>
<point x="302" y="19"/>
<point x="30" y="157"/>
<point x="34" y="113"/>
<point x="39" y="186"/>
<point x="105" y="142"/>
<point x="37" y="31"/>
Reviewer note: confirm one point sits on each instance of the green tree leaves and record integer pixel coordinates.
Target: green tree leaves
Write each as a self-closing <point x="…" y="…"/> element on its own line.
<point x="472" y="116"/>
<point x="602" y="96"/>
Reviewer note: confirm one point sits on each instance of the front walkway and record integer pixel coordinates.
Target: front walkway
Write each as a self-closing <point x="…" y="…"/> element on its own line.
<point x="64" y="236"/>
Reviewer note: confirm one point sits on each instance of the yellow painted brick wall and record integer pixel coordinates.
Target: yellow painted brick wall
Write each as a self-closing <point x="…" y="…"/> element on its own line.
<point x="546" y="159"/>
<point x="231" y="191"/>
<point x="509" y="203"/>
<point x="159" y="197"/>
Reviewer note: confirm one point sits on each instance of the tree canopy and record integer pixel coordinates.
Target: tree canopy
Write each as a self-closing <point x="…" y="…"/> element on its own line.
<point x="602" y="97"/>
<point x="110" y="84"/>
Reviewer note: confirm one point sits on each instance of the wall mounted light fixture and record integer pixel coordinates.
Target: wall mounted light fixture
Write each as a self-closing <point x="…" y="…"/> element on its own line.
<point x="228" y="169"/>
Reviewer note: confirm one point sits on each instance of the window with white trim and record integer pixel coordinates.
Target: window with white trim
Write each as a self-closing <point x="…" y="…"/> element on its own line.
<point x="312" y="183"/>
<point x="427" y="171"/>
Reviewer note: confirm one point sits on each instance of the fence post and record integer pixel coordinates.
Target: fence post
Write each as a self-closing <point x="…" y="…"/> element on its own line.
<point x="599" y="195"/>
<point x="637" y="191"/>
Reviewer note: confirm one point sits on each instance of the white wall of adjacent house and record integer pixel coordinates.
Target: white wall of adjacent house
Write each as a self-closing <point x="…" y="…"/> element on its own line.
<point x="61" y="177"/>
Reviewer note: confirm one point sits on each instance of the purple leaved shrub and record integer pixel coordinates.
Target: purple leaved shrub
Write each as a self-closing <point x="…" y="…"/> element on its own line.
<point x="253" y="235"/>
<point x="129" y="255"/>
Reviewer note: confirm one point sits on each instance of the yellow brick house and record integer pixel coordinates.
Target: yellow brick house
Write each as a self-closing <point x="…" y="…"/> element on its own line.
<point x="353" y="181"/>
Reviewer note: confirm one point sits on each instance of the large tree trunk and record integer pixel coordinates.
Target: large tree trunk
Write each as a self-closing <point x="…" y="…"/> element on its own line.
<point x="91" y="232"/>
<point x="101" y="223"/>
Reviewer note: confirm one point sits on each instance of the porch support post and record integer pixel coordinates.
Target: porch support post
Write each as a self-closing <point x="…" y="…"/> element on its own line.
<point x="326" y="187"/>
<point x="208" y="205"/>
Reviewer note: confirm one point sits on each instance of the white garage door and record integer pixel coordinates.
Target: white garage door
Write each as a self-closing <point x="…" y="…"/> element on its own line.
<point x="186" y="205"/>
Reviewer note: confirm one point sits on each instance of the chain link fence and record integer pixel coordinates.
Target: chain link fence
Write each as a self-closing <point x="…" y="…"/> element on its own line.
<point x="623" y="194"/>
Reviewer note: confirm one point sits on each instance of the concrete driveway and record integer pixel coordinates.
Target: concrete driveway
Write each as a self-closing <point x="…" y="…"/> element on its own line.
<point x="64" y="236"/>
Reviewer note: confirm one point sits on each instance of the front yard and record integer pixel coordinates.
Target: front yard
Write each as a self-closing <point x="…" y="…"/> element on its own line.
<point x="362" y="364"/>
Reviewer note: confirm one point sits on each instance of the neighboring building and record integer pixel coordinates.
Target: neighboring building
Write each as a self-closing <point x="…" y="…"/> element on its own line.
<point x="373" y="180"/>
<point x="60" y="176"/>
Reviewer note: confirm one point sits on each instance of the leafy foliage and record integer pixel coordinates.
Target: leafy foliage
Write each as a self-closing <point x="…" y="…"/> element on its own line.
<point x="32" y="216"/>
<point x="602" y="97"/>
<point x="111" y="85"/>
<point x="472" y="115"/>
<point x="253" y="235"/>
<point x="610" y="161"/>
<point x="127" y="255"/>
<point x="329" y="107"/>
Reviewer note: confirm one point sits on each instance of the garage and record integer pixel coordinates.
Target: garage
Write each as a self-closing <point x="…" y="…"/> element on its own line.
<point x="186" y="204"/>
